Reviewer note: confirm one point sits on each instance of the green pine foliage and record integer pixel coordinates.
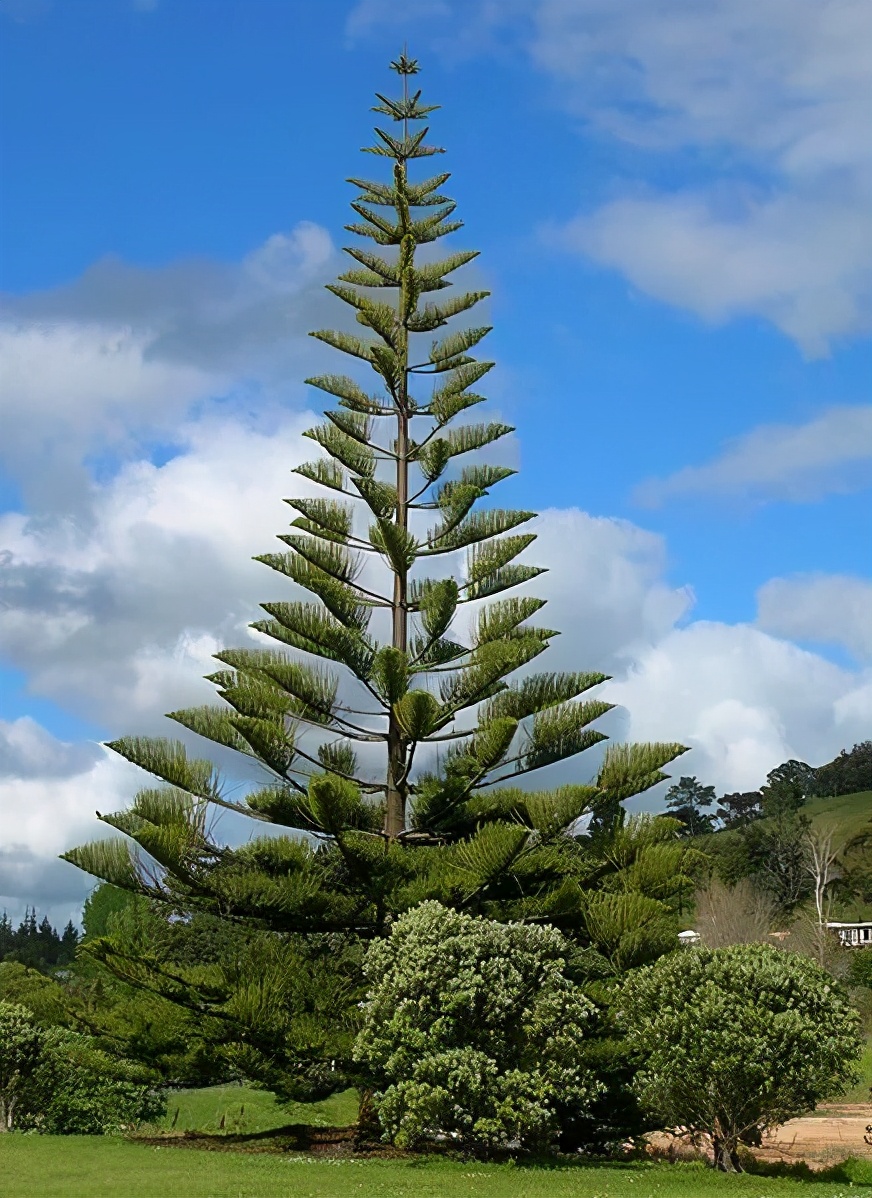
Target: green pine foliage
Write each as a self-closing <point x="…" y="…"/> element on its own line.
<point x="386" y="698"/>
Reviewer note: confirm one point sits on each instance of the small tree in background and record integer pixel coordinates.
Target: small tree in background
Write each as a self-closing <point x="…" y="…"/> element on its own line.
<point x="739" y="808"/>
<point x="737" y="1040"/>
<point x="685" y="801"/>
<point x="475" y="1031"/>
<point x="391" y="718"/>
<point x="734" y="914"/>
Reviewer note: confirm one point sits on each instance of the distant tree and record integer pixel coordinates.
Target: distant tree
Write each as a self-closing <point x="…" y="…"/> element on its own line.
<point x="733" y="1041"/>
<point x="474" y="1031"/>
<point x="786" y="790"/>
<point x="36" y="944"/>
<point x="685" y="800"/>
<point x="849" y="773"/>
<point x="777" y="850"/>
<point x="737" y="914"/>
<point x="739" y="808"/>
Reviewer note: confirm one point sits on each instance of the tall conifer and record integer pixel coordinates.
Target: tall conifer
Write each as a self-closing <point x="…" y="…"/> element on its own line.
<point x="392" y="723"/>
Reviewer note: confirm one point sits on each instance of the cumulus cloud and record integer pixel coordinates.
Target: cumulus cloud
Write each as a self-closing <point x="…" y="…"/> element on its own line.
<point x="798" y="463"/>
<point x="773" y="93"/>
<point x="27" y="751"/>
<point x="46" y="810"/>
<point x="120" y="614"/>
<point x="800" y="262"/>
<point x="124" y="354"/>
<point x="827" y="608"/>
<point x="744" y="701"/>
<point x="760" y="104"/>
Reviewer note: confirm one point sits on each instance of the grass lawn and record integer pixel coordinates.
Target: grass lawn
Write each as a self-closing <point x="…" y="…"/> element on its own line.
<point x="847" y="815"/>
<point x="860" y="1093"/>
<point x="106" y="1167"/>
<point x="246" y="1110"/>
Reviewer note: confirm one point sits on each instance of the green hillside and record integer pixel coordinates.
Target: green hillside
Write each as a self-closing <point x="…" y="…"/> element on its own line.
<point x="846" y="815"/>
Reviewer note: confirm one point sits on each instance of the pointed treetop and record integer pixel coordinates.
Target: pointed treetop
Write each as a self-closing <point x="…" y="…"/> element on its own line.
<point x="404" y="65"/>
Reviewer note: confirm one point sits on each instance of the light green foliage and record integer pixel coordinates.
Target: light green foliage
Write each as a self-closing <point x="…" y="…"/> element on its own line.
<point x="56" y="1081"/>
<point x="46" y="998"/>
<point x="79" y="1090"/>
<point x="735" y="1040"/>
<point x="475" y="1030"/>
<point x="22" y="1047"/>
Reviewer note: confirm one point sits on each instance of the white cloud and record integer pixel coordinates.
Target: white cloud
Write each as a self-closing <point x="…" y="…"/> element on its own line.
<point x="124" y="354"/>
<point x="798" y="463"/>
<point x="119" y="614"/>
<point x="801" y="262"/>
<point x="757" y="106"/>
<point x="43" y="813"/>
<point x="826" y="608"/>
<point x="27" y="750"/>
<point x="773" y="94"/>
<point x="743" y="700"/>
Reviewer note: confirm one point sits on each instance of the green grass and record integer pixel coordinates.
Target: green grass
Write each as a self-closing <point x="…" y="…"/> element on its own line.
<point x="847" y="815"/>
<point x="860" y="1092"/>
<point x="246" y="1110"/>
<point x="105" y="1167"/>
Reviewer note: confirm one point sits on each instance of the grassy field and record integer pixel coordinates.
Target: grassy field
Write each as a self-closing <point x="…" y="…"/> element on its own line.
<point x="861" y="1092"/>
<point x="105" y="1167"/>
<point x="241" y="1109"/>
<point x="847" y="815"/>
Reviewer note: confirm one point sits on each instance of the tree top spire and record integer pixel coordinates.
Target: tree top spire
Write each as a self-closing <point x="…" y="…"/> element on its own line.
<point x="405" y="65"/>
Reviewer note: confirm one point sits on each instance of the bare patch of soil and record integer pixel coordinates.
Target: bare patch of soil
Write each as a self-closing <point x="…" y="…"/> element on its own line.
<point x="828" y="1136"/>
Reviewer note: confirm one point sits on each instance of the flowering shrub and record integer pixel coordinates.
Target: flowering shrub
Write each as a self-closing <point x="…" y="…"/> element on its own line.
<point x="473" y="1031"/>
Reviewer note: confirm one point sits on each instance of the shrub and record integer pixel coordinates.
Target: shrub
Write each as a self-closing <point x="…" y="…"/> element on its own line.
<point x="79" y="1090"/>
<point x="21" y="1053"/>
<point x="474" y="1032"/>
<point x="57" y="1081"/>
<point x="735" y="1040"/>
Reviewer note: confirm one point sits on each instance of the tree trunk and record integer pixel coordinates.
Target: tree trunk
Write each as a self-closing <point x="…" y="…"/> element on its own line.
<point x="397" y="781"/>
<point x="726" y="1154"/>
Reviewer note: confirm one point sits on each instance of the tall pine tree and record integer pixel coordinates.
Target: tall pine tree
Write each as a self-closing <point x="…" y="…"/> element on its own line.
<point x="391" y="714"/>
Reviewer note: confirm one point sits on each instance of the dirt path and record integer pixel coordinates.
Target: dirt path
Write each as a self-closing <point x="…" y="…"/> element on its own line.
<point x="831" y="1135"/>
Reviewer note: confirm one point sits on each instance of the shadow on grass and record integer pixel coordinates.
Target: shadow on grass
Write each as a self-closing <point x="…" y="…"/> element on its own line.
<point x="337" y="1142"/>
<point x="851" y="1171"/>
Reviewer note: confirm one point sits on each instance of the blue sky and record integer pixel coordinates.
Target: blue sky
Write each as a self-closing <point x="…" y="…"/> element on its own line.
<point x="672" y="203"/>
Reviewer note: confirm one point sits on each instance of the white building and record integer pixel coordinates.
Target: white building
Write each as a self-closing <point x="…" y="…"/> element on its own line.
<point x="853" y="935"/>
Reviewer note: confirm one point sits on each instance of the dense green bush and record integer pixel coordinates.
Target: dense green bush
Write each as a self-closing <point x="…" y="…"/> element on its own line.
<point x="734" y="1040"/>
<point x="21" y="1053"/>
<point x="56" y="1081"/>
<point x="474" y="1032"/>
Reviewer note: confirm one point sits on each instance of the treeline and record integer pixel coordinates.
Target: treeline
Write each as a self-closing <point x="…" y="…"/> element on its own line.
<point x="37" y="945"/>
<point x="788" y="786"/>
<point x="766" y="838"/>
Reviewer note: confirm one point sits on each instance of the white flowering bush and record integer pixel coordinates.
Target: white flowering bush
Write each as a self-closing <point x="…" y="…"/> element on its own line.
<point x="474" y="1032"/>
